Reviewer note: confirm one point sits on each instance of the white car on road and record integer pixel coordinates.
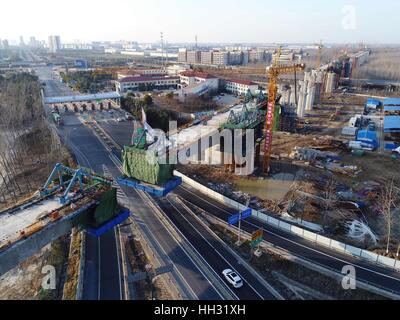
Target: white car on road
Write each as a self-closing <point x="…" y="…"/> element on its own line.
<point x="233" y="278"/>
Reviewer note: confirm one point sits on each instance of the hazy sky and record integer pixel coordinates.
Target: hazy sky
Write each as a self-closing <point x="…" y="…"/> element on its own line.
<point x="233" y="21"/>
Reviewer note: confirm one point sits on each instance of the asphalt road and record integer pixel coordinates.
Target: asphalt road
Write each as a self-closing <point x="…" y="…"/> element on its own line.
<point x="102" y="273"/>
<point x="366" y="272"/>
<point x="213" y="251"/>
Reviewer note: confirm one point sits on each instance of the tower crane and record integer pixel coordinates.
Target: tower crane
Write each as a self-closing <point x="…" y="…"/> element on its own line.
<point x="320" y="46"/>
<point x="273" y="74"/>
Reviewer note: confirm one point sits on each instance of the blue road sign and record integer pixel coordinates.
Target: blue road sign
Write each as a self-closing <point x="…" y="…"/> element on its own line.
<point x="246" y="214"/>
<point x="234" y="219"/>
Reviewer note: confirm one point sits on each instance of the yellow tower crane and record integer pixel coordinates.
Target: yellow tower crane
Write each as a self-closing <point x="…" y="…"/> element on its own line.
<point x="273" y="74"/>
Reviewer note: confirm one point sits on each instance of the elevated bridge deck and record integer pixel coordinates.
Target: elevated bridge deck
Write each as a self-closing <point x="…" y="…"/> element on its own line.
<point x="83" y="98"/>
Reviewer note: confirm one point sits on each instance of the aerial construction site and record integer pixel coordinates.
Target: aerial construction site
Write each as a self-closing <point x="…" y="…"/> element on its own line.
<point x="199" y="171"/>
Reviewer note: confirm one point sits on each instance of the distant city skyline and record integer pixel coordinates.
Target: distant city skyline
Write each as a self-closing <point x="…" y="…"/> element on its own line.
<point x="223" y="21"/>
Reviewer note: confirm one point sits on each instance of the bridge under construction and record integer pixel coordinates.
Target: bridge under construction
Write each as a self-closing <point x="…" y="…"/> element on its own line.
<point x="70" y="198"/>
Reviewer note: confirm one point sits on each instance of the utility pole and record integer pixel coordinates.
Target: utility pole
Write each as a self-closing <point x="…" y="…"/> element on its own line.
<point x="239" y="242"/>
<point x="163" y="64"/>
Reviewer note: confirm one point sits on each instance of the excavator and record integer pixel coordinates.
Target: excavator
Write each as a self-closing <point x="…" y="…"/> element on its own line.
<point x="273" y="74"/>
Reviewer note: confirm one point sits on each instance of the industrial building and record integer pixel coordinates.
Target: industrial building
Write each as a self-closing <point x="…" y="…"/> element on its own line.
<point x="391" y="107"/>
<point x="144" y="83"/>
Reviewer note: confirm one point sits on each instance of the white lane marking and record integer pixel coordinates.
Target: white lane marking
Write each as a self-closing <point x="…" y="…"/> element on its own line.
<point x="216" y="273"/>
<point x="99" y="263"/>
<point x="118" y="164"/>
<point x="144" y="225"/>
<point x="118" y="258"/>
<point x="190" y="258"/>
<point x="223" y="258"/>
<point x="299" y="244"/>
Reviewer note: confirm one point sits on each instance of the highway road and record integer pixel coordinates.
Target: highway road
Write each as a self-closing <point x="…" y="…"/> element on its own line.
<point x="102" y="273"/>
<point x="213" y="250"/>
<point x="218" y="257"/>
<point x="366" y="272"/>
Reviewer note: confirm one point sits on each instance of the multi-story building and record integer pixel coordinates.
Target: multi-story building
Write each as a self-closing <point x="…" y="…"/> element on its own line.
<point x="240" y="87"/>
<point x="257" y="55"/>
<point x="221" y="58"/>
<point x="235" y="57"/>
<point x="197" y="83"/>
<point x="54" y="44"/>
<point x="189" y="78"/>
<point x="145" y="83"/>
<point x="182" y="55"/>
<point x="206" y="57"/>
<point x="193" y="57"/>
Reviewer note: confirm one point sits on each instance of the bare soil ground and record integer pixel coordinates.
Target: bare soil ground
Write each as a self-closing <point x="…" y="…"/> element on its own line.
<point x="25" y="281"/>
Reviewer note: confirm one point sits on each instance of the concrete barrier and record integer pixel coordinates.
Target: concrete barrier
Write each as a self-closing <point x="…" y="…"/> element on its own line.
<point x="338" y="246"/>
<point x="386" y="261"/>
<point x="369" y="255"/>
<point x="298" y="231"/>
<point x="353" y="251"/>
<point x="308" y="235"/>
<point x="324" y="241"/>
<point x="285" y="226"/>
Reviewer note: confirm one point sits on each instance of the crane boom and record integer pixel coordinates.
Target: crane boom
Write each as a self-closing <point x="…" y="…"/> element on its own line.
<point x="273" y="73"/>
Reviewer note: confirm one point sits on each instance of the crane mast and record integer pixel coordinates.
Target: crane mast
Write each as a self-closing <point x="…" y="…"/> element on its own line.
<point x="273" y="74"/>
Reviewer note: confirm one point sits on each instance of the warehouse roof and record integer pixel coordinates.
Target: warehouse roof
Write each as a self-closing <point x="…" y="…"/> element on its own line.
<point x="141" y="78"/>
<point x="196" y="74"/>
<point x="391" y="102"/>
<point x="392" y="124"/>
<point x="240" y="81"/>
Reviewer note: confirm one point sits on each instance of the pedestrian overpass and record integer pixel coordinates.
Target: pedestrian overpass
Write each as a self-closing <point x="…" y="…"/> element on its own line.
<point x="114" y="96"/>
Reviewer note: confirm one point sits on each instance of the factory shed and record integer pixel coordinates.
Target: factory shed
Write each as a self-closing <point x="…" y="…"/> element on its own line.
<point x="391" y="107"/>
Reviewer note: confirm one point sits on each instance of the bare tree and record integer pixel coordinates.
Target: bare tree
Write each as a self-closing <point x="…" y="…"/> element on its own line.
<point x="329" y="195"/>
<point x="387" y="202"/>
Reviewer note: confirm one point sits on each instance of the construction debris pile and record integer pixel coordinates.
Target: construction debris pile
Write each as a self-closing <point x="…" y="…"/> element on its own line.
<point x="324" y="160"/>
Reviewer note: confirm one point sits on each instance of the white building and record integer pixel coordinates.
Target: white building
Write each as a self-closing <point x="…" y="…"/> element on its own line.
<point x="146" y="83"/>
<point x="54" y="44"/>
<point x="240" y="87"/>
<point x="177" y="69"/>
<point x="188" y="78"/>
<point x="197" y="83"/>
